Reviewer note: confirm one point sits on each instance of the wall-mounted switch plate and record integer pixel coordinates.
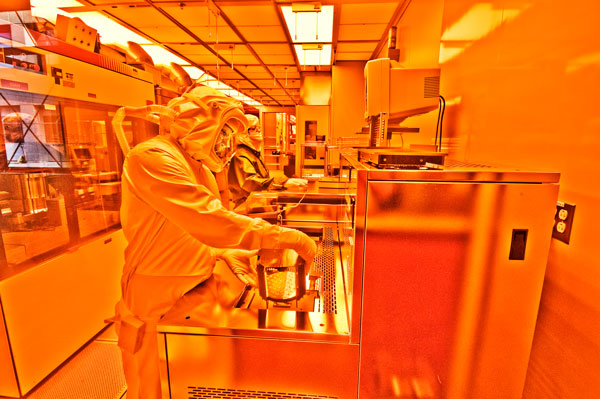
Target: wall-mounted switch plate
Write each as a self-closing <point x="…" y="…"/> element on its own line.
<point x="563" y="221"/>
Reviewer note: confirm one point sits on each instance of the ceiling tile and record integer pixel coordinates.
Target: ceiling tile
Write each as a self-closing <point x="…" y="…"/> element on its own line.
<point x="239" y="84"/>
<point x="205" y="59"/>
<point x="194" y="14"/>
<point x="345" y="47"/>
<point x="272" y="48"/>
<point x="208" y="34"/>
<point x="367" y="12"/>
<point x="254" y="75"/>
<point x="223" y="73"/>
<point x="352" y="56"/>
<point x="190" y="49"/>
<point x="239" y="60"/>
<point x="361" y="32"/>
<point x="166" y="34"/>
<point x="290" y="84"/>
<point x="278" y="59"/>
<point x="289" y="69"/>
<point x="263" y="33"/>
<point x="251" y="15"/>
<point x="141" y="17"/>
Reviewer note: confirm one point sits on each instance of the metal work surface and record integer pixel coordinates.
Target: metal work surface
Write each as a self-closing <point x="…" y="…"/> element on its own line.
<point x="202" y="313"/>
<point x="222" y="346"/>
<point x="454" y="171"/>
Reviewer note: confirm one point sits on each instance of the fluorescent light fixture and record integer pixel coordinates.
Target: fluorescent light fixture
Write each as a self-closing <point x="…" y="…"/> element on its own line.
<point x="312" y="55"/>
<point x="307" y="26"/>
<point x="195" y="73"/>
<point x="49" y="9"/>
<point x="112" y="32"/>
<point x="55" y="3"/>
<point x="210" y="81"/>
<point x="161" y="56"/>
<point x="109" y="30"/>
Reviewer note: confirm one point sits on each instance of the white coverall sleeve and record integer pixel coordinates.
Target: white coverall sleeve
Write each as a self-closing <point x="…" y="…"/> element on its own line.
<point x="164" y="183"/>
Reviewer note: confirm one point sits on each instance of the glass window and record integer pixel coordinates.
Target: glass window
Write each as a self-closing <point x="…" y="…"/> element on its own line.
<point x="60" y="168"/>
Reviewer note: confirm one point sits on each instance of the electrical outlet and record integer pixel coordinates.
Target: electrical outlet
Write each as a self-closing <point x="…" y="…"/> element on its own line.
<point x="563" y="221"/>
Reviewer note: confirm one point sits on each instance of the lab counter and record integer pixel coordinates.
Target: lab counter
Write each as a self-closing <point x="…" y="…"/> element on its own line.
<point x="434" y="292"/>
<point x="223" y="337"/>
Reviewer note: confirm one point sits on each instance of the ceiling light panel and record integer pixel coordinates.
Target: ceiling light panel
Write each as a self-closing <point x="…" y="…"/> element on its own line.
<point x="108" y="30"/>
<point x="313" y="57"/>
<point x="309" y="27"/>
<point x="161" y="56"/>
<point x="195" y="73"/>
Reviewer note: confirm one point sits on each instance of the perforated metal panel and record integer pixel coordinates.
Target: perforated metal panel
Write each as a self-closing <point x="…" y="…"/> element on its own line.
<point x="325" y="263"/>
<point x="431" y="88"/>
<point x="220" y="393"/>
<point x="94" y="373"/>
<point x="453" y="163"/>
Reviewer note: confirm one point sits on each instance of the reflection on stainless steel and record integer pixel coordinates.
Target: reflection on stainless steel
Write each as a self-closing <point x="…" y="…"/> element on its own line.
<point x="412" y="290"/>
<point x="433" y="248"/>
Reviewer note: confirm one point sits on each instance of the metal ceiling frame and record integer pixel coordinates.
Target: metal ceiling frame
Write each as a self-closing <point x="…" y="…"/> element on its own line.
<point x="216" y="7"/>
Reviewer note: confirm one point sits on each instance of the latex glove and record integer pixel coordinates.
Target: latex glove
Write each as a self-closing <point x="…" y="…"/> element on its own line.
<point x="239" y="261"/>
<point x="299" y="242"/>
<point x="294" y="183"/>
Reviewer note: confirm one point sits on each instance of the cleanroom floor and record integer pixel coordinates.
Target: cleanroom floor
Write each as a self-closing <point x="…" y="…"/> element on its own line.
<point x="95" y="372"/>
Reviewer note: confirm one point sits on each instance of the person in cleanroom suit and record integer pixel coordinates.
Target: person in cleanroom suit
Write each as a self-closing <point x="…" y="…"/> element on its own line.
<point x="176" y="226"/>
<point x="247" y="171"/>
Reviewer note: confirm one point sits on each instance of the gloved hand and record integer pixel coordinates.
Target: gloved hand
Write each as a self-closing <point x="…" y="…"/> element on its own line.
<point x="238" y="261"/>
<point x="294" y="183"/>
<point x="299" y="242"/>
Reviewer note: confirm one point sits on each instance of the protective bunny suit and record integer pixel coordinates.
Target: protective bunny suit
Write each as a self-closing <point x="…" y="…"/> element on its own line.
<point x="247" y="171"/>
<point x="176" y="226"/>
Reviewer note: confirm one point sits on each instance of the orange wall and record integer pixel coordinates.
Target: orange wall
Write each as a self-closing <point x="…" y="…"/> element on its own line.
<point x="521" y="79"/>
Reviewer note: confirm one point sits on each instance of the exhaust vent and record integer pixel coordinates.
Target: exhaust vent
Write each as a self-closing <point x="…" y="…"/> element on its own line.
<point x="325" y="263"/>
<point x="431" y="86"/>
<point x="222" y="393"/>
